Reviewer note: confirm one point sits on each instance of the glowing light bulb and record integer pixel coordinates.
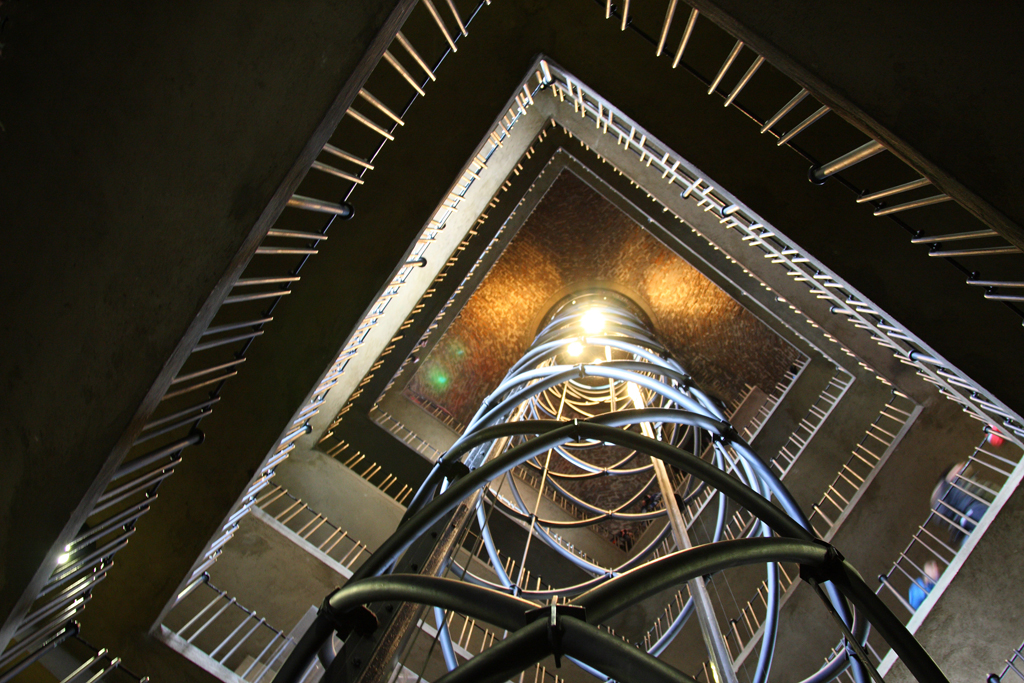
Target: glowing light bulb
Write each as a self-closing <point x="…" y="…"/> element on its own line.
<point x="633" y="391"/>
<point x="592" y="322"/>
<point x="575" y="348"/>
<point x="63" y="558"/>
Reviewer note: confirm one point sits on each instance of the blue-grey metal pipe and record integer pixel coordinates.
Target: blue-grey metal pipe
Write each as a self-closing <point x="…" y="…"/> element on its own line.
<point x="680" y="403"/>
<point x="445" y="638"/>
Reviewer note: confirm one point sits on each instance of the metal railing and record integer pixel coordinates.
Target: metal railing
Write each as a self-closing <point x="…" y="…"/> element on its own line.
<point x="984" y="242"/>
<point x="404" y="434"/>
<point x="822" y="284"/>
<point x="355" y="463"/>
<point x="571" y="547"/>
<point x="248" y="500"/>
<point x="880" y="438"/>
<point x="450" y="304"/>
<point x="851" y="303"/>
<point x="782" y="387"/>
<point x="378" y="135"/>
<point x="231" y="635"/>
<point x="313" y="527"/>
<point x="240" y="319"/>
<point x="469" y="638"/>
<point x="857" y="309"/>
<point x="77" y="662"/>
<point x="450" y="204"/>
<point x="748" y="389"/>
<point x="940" y="536"/>
<point x="745" y="628"/>
<point x="364" y="131"/>
<point x="811" y="423"/>
<point x="801" y="437"/>
<point x="1015" y="664"/>
<point x="437" y="411"/>
<point x="84" y="562"/>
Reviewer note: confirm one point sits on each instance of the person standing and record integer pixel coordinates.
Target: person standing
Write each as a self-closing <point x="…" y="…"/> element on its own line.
<point x="923" y="585"/>
<point x="960" y="502"/>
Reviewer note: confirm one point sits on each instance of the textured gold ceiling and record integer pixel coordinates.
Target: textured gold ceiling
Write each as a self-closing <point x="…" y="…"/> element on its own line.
<point x="576" y="237"/>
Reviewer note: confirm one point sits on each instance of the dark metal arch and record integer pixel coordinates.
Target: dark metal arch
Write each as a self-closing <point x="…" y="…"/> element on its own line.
<point x="497" y="440"/>
<point x="514" y="614"/>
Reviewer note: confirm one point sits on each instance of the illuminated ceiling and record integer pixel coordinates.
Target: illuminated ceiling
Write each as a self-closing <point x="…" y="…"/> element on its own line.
<point x="575" y="239"/>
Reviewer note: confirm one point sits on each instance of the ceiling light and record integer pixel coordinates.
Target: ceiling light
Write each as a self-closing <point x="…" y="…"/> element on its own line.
<point x="63" y="558"/>
<point x="575" y="348"/>
<point x="633" y="391"/>
<point x="592" y="321"/>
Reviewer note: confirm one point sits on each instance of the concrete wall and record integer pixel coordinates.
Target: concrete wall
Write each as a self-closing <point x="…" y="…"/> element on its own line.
<point x="975" y="624"/>
<point x="337" y="492"/>
<point x="793" y="408"/>
<point x="66" y="118"/>
<point x="290" y="580"/>
<point x="144" y="158"/>
<point x="896" y="90"/>
<point x="880" y="526"/>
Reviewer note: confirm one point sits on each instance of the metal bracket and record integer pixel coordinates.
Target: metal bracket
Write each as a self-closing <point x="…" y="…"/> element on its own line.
<point x="360" y="619"/>
<point x="453" y="470"/>
<point x="824" y="573"/>
<point x="555" y="629"/>
<point x="576" y="430"/>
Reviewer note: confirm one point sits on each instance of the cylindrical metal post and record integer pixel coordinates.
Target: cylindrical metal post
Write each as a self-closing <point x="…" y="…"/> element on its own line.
<point x="818" y="174"/>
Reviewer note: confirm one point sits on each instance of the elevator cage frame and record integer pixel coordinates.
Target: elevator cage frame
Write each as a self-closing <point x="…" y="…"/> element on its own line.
<point x="595" y="375"/>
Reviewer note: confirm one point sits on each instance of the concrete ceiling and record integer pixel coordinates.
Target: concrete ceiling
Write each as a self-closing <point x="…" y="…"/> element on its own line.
<point x="573" y="240"/>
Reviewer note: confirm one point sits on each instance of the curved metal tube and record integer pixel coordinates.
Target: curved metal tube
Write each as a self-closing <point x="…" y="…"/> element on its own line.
<point x="672" y="401"/>
<point x="673" y="629"/>
<point x="492" y="551"/>
<point x="612" y="597"/>
<point x="614" y="657"/>
<point x="411" y="528"/>
<point x="503" y="661"/>
<point x="445" y="638"/>
<point x="615" y="595"/>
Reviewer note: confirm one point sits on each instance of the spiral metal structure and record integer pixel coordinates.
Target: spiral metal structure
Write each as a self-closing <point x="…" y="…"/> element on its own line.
<point x="594" y="402"/>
